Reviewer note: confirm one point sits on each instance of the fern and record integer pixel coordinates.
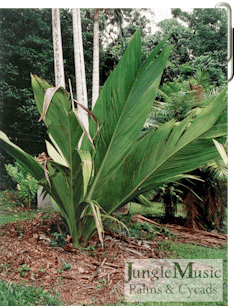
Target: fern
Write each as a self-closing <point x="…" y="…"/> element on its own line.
<point x="26" y="184"/>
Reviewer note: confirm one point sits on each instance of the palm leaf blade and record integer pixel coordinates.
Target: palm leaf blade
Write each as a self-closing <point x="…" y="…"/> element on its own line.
<point x="161" y="155"/>
<point x="125" y="128"/>
<point x="60" y="121"/>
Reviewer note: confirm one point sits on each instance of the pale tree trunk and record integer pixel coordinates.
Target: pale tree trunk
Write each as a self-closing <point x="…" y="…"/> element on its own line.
<point x="58" y="52"/>
<point x="59" y="81"/>
<point x="81" y="89"/>
<point x="95" y="80"/>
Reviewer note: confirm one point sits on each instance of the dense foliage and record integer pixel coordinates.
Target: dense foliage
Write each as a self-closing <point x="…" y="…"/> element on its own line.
<point x="200" y="42"/>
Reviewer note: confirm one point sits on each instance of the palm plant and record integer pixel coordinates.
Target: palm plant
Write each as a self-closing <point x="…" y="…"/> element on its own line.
<point x="174" y="100"/>
<point x="177" y="99"/>
<point x="201" y="78"/>
<point x="180" y="97"/>
<point x="114" y="165"/>
<point x="207" y="211"/>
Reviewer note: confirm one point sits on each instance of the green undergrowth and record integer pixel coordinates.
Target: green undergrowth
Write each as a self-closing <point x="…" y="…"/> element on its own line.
<point x="18" y="295"/>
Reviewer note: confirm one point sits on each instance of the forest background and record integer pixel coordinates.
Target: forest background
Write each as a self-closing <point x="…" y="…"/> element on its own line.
<point x="27" y="47"/>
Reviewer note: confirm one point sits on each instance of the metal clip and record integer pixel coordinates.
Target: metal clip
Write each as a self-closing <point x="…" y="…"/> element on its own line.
<point x="230" y="56"/>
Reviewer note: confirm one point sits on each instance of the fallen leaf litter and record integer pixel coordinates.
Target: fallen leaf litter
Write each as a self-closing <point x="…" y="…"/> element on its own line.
<point x="93" y="276"/>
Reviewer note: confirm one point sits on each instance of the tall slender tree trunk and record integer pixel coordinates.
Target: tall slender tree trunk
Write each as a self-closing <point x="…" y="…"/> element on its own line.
<point x="81" y="88"/>
<point x="59" y="79"/>
<point x="96" y="78"/>
<point x="58" y="51"/>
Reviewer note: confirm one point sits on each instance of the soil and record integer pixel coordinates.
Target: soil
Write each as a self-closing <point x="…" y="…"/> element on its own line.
<point x="94" y="275"/>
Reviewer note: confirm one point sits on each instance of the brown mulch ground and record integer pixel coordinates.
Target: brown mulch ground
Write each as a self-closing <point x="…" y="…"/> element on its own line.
<point x="96" y="275"/>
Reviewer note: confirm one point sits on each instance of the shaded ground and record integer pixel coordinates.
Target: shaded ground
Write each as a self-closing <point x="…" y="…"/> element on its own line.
<point x="27" y="255"/>
<point x="12" y="207"/>
<point x="4" y="209"/>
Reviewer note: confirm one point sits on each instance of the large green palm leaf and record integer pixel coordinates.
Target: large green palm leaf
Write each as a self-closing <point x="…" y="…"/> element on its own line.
<point x="123" y="105"/>
<point x="162" y="155"/>
<point x="61" y="122"/>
